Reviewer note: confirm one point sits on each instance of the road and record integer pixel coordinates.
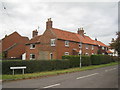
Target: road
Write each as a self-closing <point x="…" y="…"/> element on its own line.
<point x="106" y="77"/>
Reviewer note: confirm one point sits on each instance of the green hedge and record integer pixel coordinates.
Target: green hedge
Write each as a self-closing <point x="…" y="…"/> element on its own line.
<point x="100" y="59"/>
<point x="75" y="60"/>
<point x="34" y="65"/>
<point x="48" y="65"/>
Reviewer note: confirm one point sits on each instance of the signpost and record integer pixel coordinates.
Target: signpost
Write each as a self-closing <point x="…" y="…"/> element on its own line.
<point x="80" y="52"/>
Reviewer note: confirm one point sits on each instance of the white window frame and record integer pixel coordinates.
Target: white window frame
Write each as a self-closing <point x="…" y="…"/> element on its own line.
<point x="87" y="54"/>
<point x="31" y="46"/>
<point x="92" y="47"/>
<point x="52" y="42"/>
<point x="87" y="46"/>
<point x="106" y="49"/>
<point x="103" y="48"/>
<point x="66" y="53"/>
<point x="103" y="53"/>
<point x="80" y="45"/>
<point x="67" y="43"/>
<point x="31" y="56"/>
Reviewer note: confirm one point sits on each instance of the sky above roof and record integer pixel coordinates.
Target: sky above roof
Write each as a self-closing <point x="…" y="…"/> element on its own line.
<point x="99" y="19"/>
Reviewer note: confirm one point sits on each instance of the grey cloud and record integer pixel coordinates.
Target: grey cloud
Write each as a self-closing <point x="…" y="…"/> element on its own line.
<point x="98" y="19"/>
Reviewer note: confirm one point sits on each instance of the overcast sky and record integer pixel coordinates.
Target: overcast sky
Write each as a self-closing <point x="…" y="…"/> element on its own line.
<point x="99" y="19"/>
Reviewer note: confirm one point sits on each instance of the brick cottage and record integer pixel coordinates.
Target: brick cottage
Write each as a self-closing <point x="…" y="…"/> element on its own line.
<point x="13" y="46"/>
<point x="54" y="43"/>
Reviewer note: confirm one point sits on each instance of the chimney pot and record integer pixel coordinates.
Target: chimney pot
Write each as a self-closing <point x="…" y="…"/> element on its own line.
<point x="49" y="24"/>
<point x="35" y="33"/>
<point x="95" y="39"/>
<point x="81" y="31"/>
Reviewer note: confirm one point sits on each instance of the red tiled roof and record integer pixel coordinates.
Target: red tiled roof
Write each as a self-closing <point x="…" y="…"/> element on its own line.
<point x="65" y="35"/>
<point x="100" y="43"/>
<point x="34" y="39"/>
<point x="85" y="39"/>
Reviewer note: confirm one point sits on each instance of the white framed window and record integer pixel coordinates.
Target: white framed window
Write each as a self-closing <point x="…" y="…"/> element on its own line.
<point x="103" y="48"/>
<point x="32" y="46"/>
<point x="66" y="53"/>
<point x="92" y="47"/>
<point x="87" y="46"/>
<point x="80" y="45"/>
<point x="103" y="53"/>
<point x="67" y="43"/>
<point x="106" y="49"/>
<point x="32" y="56"/>
<point x="92" y="53"/>
<point x="87" y="54"/>
<point x="52" y="42"/>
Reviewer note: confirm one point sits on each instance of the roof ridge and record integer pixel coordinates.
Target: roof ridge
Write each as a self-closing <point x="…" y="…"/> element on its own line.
<point x="65" y="30"/>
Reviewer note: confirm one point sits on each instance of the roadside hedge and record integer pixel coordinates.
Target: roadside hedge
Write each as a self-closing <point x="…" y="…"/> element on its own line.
<point x="100" y="59"/>
<point x="48" y="65"/>
<point x="34" y="65"/>
<point x="75" y="60"/>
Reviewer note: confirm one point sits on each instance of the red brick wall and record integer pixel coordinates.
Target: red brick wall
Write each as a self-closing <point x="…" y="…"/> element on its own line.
<point x="61" y="48"/>
<point x="32" y="51"/>
<point x="43" y="46"/>
<point x="45" y="43"/>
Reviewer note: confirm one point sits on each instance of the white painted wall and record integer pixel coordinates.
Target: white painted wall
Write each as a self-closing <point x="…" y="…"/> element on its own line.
<point x="24" y="56"/>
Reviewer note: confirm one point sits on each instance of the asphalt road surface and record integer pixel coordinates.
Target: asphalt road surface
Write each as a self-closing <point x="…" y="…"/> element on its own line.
<point x="106" y="77"/>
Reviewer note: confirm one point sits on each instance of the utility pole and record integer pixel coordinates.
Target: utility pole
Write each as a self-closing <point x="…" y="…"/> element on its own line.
<point x="80" y="52"/>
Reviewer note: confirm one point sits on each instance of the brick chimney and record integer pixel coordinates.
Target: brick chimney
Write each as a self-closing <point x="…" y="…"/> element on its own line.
<point x="81" y="31"/>
<point x="95" y="39"/>
<point x="35" y="33"/>
<point x="49" y="24"/>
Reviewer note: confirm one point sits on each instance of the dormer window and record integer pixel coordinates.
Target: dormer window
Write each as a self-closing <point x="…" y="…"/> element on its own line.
<point x="80" y="45"/>
<point x="32" y="46"/>
<point x="67" y="43"/>
<point x="52" y="42"/>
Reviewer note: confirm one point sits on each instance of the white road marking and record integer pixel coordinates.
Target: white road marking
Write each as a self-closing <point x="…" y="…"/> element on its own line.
<point x="110" y="69"/>
<point x="52" y="85"/>
<point x="87" y="76"/>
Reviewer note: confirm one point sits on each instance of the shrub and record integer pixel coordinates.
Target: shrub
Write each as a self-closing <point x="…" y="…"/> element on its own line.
<point x="100" y="59"/>
<point x="68" y="61"/>
<point x="34" y="65"/>
<point x="75" y="60"/>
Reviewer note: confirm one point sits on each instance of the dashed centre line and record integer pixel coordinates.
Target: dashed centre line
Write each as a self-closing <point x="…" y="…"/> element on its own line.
<point x="52" y="85"/>
<point x="110" y="69"/>
<point x="87" y="76"/>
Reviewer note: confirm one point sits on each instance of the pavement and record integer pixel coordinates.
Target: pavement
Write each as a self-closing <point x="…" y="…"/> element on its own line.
<point x="106" y="77"/>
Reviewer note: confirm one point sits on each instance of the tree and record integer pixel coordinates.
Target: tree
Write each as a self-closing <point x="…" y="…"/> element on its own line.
<point x="115" y="44"/>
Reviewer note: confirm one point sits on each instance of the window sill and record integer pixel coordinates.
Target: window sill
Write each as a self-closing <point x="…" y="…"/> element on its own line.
<point x="32" y="48"/>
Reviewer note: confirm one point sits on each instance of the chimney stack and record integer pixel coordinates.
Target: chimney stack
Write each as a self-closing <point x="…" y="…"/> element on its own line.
<point x="35" y="33"/>
<point x="95" y="39"/>
<point x="81" y="31"/>
<point x="49" y="24"/>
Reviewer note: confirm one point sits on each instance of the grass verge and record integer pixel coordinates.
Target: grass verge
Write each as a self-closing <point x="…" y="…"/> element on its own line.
<point x="55" y="72"/>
